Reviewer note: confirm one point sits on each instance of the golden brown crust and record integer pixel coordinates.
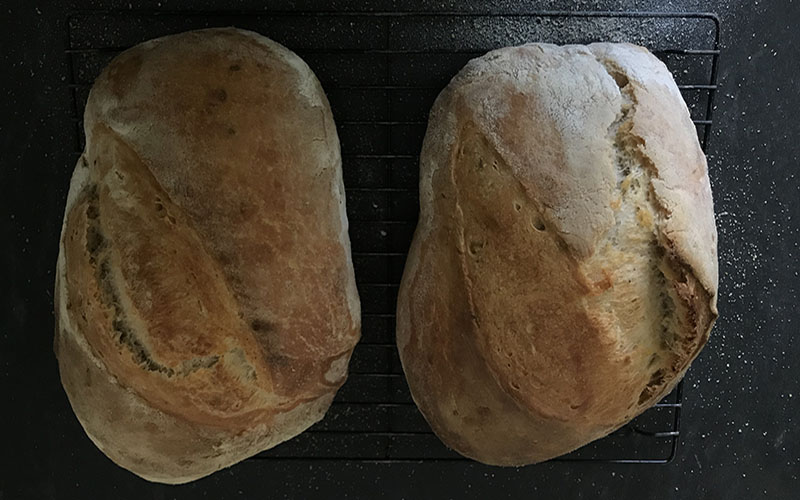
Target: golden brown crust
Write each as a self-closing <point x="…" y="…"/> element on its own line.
<point x="204" y="278"/>
<point x="549" y="294"/>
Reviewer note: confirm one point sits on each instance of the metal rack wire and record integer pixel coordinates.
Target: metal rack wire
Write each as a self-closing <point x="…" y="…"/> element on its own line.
<point x="382" y="71"/>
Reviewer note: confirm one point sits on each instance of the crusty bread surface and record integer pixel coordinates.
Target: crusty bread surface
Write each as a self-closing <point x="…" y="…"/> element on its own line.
<point x="206" y="306"/>
<point x="563" y="273"/>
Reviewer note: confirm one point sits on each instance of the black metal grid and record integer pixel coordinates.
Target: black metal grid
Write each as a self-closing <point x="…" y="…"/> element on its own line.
<point x="382" y="71"/>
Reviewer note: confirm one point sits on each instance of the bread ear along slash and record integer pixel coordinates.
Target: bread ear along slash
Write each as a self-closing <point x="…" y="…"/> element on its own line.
<point x="563" y="273"/>
<point x="205" y="298"/>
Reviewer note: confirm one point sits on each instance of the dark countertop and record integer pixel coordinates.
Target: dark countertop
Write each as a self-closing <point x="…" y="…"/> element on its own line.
<point x="740" y="435"/>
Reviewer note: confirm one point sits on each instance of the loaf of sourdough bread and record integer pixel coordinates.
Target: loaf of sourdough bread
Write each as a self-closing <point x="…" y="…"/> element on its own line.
<point x="206" y="306"/>
<point x="563" y="273"/>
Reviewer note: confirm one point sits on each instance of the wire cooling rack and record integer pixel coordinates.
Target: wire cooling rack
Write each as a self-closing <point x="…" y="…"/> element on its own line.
<point x="382" y="71"/>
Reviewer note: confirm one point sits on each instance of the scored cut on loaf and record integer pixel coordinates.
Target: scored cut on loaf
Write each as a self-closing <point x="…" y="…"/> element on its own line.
<point x="563" y="273"/>
<point x="206" y="306"/>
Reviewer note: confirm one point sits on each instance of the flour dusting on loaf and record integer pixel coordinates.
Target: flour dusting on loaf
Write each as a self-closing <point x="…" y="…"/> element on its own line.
<point x="563" y="274"/>
<point x="206" y="300"/>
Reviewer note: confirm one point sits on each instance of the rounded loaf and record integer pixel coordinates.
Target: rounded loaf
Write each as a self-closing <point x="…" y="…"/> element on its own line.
<point x="563" y="273"/>
<point x="205" y="298"/>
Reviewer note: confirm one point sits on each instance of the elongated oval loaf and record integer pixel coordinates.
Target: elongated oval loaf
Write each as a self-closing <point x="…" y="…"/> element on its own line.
<point x="205" y="299"/>
<point x="563" y="274"/>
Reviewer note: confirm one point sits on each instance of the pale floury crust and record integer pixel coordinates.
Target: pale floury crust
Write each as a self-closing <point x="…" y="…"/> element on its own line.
<point x="563" y="274"/>
<point x="205" y="298"/>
